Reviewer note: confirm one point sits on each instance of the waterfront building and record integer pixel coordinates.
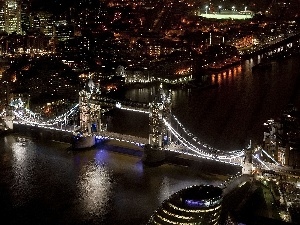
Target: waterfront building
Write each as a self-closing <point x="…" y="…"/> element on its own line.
<point x="241" y="41"/>
<point x="194" y="205"/>
<point x="136" y="75"/>
<point x="282" y="138"/>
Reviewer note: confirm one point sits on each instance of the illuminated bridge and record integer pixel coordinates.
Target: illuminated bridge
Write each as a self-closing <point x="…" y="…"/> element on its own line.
<point x="167" y="133"/>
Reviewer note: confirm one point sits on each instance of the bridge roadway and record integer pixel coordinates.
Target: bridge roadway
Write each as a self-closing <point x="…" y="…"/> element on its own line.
<point x="139" y="141"/>
<point x="202" y="151"/>
<point x="183" y="141"/>
<point x="99" y="135"/>
<point x="106" y="135"/>
<point x="190" y="144"/>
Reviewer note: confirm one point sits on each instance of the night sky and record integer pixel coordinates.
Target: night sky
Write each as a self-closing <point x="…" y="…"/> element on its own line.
<point x="54" y="6"/>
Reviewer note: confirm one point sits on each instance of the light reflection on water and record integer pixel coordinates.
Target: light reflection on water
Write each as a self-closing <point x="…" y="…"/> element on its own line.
<point x="165" y="191"/>
<point x="44" y="183"/>
<point x="22" y="167"/>
<point x="95" y="189"/>
<point x="230" y="115"/>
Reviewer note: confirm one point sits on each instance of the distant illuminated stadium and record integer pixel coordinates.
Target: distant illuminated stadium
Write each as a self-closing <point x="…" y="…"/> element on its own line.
<point x="193" y="205"/>
<point x="227" y="15"/>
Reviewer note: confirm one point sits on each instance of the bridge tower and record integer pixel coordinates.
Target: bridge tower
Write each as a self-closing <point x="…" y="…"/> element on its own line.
<point x="159" y="135"/>
<point x="9" y="117"/>
<point x="166" y="114"/>
<point x="160" y="109"/>
<point x="90" y="110"/>
<point x="90" y="116"/>
<point x="9" y="113"/>
<point x="84" y="109"/>
<point x="247" y="163"/>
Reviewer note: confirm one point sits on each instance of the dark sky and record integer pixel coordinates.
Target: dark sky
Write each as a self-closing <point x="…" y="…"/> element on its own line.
<point x="58" y="6"/>
<point x="52" y="5"/>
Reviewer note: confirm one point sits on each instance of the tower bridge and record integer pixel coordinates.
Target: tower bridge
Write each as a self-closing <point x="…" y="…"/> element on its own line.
<point x="166" y="133"/>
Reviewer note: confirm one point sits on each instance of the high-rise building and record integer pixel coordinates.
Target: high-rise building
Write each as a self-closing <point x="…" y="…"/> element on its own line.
<point x="2" y="19"/>
<point x="282" y="138"/>
<point x="12" y="16"/>
<point x="46" y="23"/>
<point x="25" y="13"/>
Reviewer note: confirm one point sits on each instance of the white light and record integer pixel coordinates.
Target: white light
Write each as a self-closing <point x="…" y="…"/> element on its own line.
<point x="118" y="105"/>
<point x="261" y="162"/>
<point x="270" y="157"/>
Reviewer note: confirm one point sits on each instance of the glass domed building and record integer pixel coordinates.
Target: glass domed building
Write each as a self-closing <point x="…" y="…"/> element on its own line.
<point x="193" y="205"/>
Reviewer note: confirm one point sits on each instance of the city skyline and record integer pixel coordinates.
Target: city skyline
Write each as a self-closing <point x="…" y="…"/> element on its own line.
<point x="136" y="111"/>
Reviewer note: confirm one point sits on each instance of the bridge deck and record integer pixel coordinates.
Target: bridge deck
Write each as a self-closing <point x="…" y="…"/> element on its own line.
<point x="122" y="137"/>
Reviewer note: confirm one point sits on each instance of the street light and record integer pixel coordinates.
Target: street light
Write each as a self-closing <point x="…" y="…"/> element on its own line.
<point x="220" y="7"/>
<point x="206" y="7"/>
<point x="245" y="8"/>
<point x="233" y="8"/>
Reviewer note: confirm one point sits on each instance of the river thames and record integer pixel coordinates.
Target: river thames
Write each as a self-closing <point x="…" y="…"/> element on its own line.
<point x="228" y="116"/>
<point x="44" y="182"/>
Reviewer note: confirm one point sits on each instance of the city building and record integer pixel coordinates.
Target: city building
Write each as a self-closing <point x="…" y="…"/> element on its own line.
<point x="282" y="138"/>
<point x="25" y="14"/>
<point x="62" y="30"/>
<point x="2" y="18"/>
<point x="45" y="23"/>
<point x="12" y="16"/>
<point x="194" y="205"/>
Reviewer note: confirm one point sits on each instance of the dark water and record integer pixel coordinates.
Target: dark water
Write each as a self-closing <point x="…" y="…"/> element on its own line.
<point x="229" y="116"/>
<point x="45" y="183"/>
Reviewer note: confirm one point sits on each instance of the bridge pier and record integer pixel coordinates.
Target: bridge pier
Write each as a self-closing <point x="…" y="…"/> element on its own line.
<point x="247" y="163"/>
<point x="83" y="141"/>
<point x="8" y="120"/>
<point x="153" y="155"/>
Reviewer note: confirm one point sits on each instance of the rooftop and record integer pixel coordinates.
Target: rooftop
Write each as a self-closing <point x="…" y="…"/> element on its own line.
<point x="201" y="192"/>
